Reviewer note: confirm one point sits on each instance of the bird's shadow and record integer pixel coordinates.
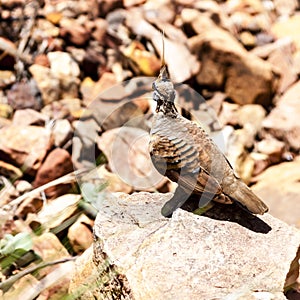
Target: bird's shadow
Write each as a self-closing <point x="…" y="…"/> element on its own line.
<point x="232" y="213"/>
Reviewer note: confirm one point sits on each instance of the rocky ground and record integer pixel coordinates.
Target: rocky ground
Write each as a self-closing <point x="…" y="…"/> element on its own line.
<point x="75" y="93"/>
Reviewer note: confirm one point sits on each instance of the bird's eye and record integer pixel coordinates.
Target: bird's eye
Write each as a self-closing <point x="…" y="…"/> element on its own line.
<point x="153" y="86"/>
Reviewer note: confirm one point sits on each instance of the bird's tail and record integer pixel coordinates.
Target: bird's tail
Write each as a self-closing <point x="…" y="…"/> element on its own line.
<point x="244" y="196"/>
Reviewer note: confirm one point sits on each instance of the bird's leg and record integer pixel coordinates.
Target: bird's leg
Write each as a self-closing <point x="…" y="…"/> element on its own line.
<point x="179" y="198"/>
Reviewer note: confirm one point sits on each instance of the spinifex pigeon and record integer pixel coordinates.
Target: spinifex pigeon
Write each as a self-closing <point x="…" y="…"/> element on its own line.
<point x="184" y="153"/>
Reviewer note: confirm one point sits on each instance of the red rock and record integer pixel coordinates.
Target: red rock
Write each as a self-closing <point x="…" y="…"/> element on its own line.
<point x="25" y="146"/>
<point x="57" y="164"/>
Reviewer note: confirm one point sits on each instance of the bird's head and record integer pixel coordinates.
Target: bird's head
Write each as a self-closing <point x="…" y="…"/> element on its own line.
<point x="163" y="91"/>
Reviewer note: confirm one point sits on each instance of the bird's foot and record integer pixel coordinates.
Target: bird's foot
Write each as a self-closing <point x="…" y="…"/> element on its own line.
<point x="179" y="198"/>
<point x="201" y="210"/>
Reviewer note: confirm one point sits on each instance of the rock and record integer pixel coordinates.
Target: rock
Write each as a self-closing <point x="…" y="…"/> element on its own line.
<point x="46" y="82"/>
<point x="85" y="275"/>
<point x="63" y="65"/>
<point x="5" y="110"/>
<point x="9" y="171"/>
<point x="23" y="186"/>
<point x="74" y="32"/>
<point x="81" y="242"/>
<point x="184" y="66"/>
<point x="62" y="208"/>
<point x="282" y="59"/>
<point x="251" y="115"/>
<point x="286" y="27"/>
<point x="100" y="29"/>
<point x="57" y="164"/>
<point x="62" y="132"/>
<point x="225" y="63"/>
<point x="147" y="63"/>
<point x="247" y="39"/>
<point x="25" y="117"/>
<point x="271" y="147"/>
<point x="29" y="205"/>
<point x="127" y="151"/>
<point x="85" y="135"/>
<point x="92" y="90"/>
<point x="261" y="162"/>
<point x="265" y="51"/>
<point x="279" y="188"/>
<point x="283" y="124"/>
<point x="24" y="95"/>
<point x="25" y="146"/>
<point x="285" y="8"/>
<point x="6" y="78"/>
<point x="230" y="261"/>
<point x="113" y="181"/>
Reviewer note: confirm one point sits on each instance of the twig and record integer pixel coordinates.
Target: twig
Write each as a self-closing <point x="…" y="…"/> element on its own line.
<point x="6" y="284"/>
<point x="69" y="178"/>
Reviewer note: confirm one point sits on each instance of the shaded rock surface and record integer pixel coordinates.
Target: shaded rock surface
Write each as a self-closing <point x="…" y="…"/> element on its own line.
<point x="191" y="256"/>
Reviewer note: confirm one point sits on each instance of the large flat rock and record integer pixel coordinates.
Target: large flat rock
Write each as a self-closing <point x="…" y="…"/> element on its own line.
<point x="191" y="256"/>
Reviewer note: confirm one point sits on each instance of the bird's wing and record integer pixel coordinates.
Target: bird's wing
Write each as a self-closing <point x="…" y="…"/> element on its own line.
<point x="179" y="161"/>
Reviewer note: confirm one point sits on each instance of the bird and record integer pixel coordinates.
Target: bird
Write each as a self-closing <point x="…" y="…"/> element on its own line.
<point x="183" y="151"/>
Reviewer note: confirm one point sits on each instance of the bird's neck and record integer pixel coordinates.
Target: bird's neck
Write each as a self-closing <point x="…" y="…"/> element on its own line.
<point x="167" y="108"/>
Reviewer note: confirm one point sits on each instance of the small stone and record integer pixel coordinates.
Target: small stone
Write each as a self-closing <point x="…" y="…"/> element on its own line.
<point x="147" y="62"/>
<point x="54" y="17"/>
<point x="57" y="164"/>
<point x="62" y="132"/>
<point x="25" y="146"/>
<point x="24" y="95"/>
<point x="47" y="83"/>
<point x="24" y="117"/>
<point x="42" y="60"/>
<point x="23" y="186"/>
<point x="6" y="78"/>
<point x="114" y="182"/>
<point x="74" y="32"/>
<point x="100" y="29"/>
<point x="5" y="110"/>
<point x="284" y="28"/>
<point x="81" y="242"/>
<point x="63" y="65"/>
<point x="261" y="162"/>
<point x="248" y="39"/>
<point x="271" y="147"/>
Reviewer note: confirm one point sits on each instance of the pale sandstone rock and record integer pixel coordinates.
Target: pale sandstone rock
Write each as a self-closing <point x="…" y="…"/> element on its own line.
<point x="190" y="256"/>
